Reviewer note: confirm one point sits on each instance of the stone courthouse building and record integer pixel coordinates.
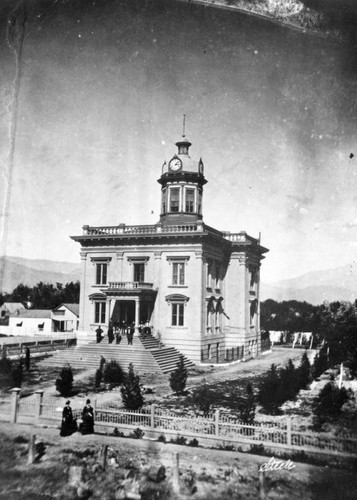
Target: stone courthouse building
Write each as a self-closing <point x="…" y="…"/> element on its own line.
<point x="197" y="286"/>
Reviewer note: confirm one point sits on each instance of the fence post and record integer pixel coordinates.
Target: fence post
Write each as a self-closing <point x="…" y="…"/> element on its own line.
<point x="216" y="422"/>
<point x="38" y="405"/>
<point x="15" y="395"/>
<point x="262" y="484"/>
<point x="32" y="450"/>
<point x="288" y="431"/>
<point x="152" y="417"/>
<point x="176" y="473"/>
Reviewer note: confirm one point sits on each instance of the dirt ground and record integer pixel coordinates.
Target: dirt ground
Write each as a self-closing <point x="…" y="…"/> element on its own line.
<point x="204" y="473"/>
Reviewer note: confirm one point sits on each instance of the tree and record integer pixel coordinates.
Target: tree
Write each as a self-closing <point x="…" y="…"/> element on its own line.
<point x="64" y="384"/>
<point x="246" y="406"/>
<point x="112" y="372"/>
<point x="131" y="391"/>
<point x="304" y="372"/>
<point x="178" y="378"/>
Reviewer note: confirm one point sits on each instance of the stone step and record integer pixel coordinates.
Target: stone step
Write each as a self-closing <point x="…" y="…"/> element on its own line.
<point x="147" y="355"/>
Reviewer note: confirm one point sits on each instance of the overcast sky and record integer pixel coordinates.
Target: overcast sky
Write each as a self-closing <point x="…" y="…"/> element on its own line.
<point x="103" y="87"/>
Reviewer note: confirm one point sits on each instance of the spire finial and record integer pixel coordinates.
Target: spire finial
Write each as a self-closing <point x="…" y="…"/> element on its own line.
<point x="183" y="125"/>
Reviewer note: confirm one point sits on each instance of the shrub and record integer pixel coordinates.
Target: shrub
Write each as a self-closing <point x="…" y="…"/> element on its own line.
<point x="320" y="364"/>
<point x="118" y="433"/>
<point x="137" y="433"/>
<point x="64" y="384"/>
<point x="289" y="382"/>
<point x="113" y="373"/>
<point x="246" y="406"/>
<point x="178" y="378"/>
<point x="161" y="439"/>
<point x="27" y="359"/>
<point x="328" y="403"/>
<point x="270" y="392"/>
<point x="131" y="391"/>
<point x="5" y="364"/>
<point x="203" y="398"/>
<point x="304" y="372"/>
<point x="193" y="443"/>
<point x="179" y="440"/>
<point x="98" y="378"/>
<point x="17" y="373"/>
<point x="257" y="449"/>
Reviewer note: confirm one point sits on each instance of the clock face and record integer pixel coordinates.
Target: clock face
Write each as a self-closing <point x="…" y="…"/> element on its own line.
<point x="175" y="164"/>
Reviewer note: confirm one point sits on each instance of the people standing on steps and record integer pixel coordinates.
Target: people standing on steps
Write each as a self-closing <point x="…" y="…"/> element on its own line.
<point x="131" y="331"/>
<point x="110" y="332"/>
<point x="99" y="332"/>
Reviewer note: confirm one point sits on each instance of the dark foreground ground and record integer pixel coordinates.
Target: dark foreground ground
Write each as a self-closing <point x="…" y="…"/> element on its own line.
<point x="204" y="473"/>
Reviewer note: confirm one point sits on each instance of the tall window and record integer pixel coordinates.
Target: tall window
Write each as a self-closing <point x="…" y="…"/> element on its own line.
<point x="177" y="314"/>
<point x="174" y="199"/>
<point x="178" y="273"/>
<point x="208" y="275"/>
<point x="139" y="272"/>
<point x="99" y="312"/>
<point x="101" y="274"/>
<point x="190" y="200"/>
<point x="164" y="194"/>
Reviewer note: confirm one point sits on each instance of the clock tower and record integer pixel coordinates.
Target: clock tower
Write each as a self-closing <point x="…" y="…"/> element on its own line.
<point x="182" y="183"/>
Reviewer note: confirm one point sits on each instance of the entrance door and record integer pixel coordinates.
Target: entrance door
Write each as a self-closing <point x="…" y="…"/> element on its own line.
<point x="124" y="310"/>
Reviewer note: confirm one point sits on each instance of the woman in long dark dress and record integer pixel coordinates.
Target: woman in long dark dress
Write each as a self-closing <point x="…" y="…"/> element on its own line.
<point x="68" y="425"/>
<point x="88" y="419"/>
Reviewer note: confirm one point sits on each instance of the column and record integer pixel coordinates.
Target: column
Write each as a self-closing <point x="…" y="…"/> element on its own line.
<point x="82" y="290"/>
<point x="137" y="313"/>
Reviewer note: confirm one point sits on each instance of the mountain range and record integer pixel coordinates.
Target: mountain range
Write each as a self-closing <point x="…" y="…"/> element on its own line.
<point x="314" y="287"/>
<point x="31" y="271"/>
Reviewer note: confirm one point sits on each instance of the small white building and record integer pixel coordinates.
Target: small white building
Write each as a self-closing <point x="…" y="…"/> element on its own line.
<point x="30" y="322"/>
<point x="11" y="309"/>
<point x="65" y="318"/>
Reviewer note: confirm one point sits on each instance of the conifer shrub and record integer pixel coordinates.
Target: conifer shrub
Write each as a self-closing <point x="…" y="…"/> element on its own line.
<point x="131" y="391"/>
<point x="289" y="382"/>
<point x="203" y="398"/>
<point x="98" y="378"/>
<point x="113" y="373"/>
<point x="17" y="372"/>
<point x="304" y="372"/>
<point x="270" y="392"/>
<point x="328" y="403"/>
<point x="320" y="364"/>
<point x="178" y="378"/>
<point x="27" y="359"/>
<point x="64" y="384"/>
<point x="246" y="406"/>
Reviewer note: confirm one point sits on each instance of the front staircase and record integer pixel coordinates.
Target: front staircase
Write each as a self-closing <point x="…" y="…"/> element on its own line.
<point x="146" y="354"/>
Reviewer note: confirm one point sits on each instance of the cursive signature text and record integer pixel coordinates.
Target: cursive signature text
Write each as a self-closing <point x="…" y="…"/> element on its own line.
<point x="273" y="464"/>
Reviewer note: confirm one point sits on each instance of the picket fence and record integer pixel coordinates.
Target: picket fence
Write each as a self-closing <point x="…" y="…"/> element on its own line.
<point x="214" y="429"/>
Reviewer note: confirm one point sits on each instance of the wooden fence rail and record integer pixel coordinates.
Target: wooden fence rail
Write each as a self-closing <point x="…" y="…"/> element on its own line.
<point x="215" y="429"/>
